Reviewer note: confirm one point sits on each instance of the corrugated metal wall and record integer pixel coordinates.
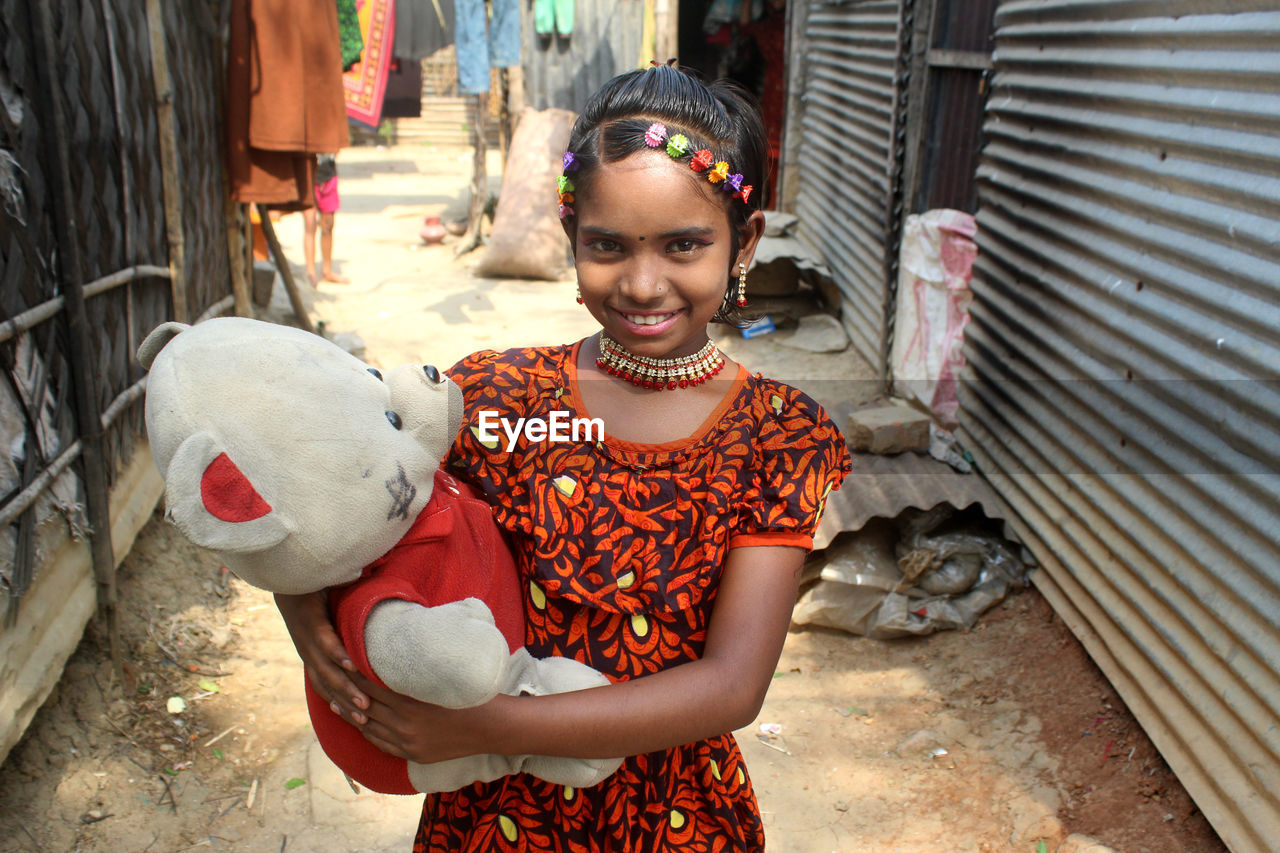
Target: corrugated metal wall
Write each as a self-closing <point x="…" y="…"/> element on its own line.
<point x="849" y="197"/>
<point x="1125" y="356"/>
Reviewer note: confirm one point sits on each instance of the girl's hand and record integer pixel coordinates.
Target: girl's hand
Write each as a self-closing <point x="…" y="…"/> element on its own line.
<point x="425" y="733"/>
<point x="329" y="668"/>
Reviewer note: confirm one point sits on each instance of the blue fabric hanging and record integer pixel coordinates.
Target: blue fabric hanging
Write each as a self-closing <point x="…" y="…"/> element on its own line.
<point x="483" y="44"/>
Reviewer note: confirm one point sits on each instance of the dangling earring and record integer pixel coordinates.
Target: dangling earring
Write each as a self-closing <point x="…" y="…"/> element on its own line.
<point x="579" y="294"/>
<point x="742" y="286"/>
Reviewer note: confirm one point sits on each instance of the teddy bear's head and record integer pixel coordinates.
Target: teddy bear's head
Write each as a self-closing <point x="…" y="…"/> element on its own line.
<point x="292" y="458"/>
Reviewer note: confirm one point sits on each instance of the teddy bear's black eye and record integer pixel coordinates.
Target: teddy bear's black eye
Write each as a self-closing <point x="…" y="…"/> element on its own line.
<point x="432" y="373"/>
<point x="394" y="419"/>
<point x="377" y="374"/>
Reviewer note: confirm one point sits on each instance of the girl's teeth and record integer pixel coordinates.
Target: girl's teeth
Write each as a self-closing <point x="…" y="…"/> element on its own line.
<point x="650" y="320"/>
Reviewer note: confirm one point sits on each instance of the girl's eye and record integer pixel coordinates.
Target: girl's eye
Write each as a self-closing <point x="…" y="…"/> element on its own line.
<point x="602" y="244"/>
<point x="684" y="246"/>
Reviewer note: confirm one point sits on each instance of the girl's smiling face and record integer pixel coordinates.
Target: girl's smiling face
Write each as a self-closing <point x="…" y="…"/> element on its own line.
<point x="653" y="249"/>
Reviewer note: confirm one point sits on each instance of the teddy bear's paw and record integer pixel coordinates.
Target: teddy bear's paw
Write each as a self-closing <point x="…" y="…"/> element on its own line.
<point x="470" y="608"/>
<point x="470" y="667"/>
<point x="558" y="675"/>
<point x="459" y="772"/>
<point x="575" y="772"/>
<point x="451" y="655"/>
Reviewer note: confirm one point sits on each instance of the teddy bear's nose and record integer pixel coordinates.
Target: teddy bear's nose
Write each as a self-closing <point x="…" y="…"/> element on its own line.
<point x="432" y="373"/>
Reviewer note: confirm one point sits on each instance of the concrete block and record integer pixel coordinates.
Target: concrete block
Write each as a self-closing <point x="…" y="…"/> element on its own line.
<point x="888" y="429"/>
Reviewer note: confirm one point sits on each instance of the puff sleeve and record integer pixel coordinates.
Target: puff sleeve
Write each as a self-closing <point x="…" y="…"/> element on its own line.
<point x="799" y="458"/>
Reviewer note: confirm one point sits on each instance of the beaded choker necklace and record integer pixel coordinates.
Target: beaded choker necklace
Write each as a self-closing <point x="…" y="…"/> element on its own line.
<point x="659" y="374"/>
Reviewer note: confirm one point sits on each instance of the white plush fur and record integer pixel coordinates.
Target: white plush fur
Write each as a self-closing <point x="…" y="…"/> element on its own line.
<point x="306" y="423"/>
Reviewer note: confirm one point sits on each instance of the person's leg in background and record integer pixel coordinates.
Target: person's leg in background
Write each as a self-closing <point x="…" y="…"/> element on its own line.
<point x="327" y="203"/>
<point x="326" y="250"/>
<point x="309" y="243"/>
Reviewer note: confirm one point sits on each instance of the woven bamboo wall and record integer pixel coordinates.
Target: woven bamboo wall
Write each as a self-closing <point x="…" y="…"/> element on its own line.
<point x="68" y="222"/>
<point x="194" y="31"/>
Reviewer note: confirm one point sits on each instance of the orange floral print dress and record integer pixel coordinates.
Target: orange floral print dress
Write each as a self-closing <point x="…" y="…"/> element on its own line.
<point x="620" y="547"/>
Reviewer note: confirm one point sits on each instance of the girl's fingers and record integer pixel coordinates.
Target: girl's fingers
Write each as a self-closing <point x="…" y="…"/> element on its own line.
<point x="337" y="684"/>
<point x="337" y="688"/>
<point x="351" y="715"/>
<point x="329" y="667"/>
<point x="337" y="673"/>
<point x="375" y="692"/>
<point x="384" y="745"/>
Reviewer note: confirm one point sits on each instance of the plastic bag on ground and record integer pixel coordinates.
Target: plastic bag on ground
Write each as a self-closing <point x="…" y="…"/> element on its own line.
<point x="933" y="574"/>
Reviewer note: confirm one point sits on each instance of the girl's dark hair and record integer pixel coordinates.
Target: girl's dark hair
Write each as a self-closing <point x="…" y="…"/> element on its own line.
<point x="719" y="117"/>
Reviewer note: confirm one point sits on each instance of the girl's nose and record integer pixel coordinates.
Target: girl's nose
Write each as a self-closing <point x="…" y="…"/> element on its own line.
<point x="642" y="282"/>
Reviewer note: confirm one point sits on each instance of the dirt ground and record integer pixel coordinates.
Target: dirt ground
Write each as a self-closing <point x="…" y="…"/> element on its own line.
<point x="1004" y="738"/>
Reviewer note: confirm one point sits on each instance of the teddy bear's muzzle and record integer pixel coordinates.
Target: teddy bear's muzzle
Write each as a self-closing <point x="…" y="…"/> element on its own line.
<point x="429" y="405"/>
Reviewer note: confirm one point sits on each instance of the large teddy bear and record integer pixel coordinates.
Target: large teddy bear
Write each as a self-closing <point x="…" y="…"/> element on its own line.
<point x="306" y="469"/>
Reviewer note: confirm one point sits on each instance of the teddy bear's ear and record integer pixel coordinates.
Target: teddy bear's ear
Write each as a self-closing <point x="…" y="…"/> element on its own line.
<point x="214" y="504"/>
<point x="155" y="342"/>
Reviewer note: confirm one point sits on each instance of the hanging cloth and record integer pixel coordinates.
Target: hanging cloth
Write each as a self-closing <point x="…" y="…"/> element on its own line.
<point x="403" y="98"/>
<point x="422" y="28"/>
<point x="349" y="36"/>
<point x="284" y="98"/>
<point x="482" y="47"/>
<point x="549" y="15"/>
<point x="366" y="83"/>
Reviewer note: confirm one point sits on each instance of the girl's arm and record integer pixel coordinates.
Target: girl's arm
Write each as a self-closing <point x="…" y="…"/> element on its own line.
<point x="328" y="666"/>
<point x="715" y="694"/>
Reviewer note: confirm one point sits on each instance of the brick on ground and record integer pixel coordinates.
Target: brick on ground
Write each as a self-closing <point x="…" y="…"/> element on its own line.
<point x="888" y="429"/>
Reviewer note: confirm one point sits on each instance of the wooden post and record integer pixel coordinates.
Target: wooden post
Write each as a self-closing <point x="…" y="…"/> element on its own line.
<point x="282" y="264"/>
<point x="479" y="179"/>
<point x="246" y="239"/>
<point x="504" y="115"/>
<point x="236" y="255"/>
<point x="84" y="394"/>
<point x="168" y="161"/>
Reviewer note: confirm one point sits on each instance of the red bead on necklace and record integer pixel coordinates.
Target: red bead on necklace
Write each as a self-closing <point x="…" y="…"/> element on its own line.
<point x="659" y="374"/>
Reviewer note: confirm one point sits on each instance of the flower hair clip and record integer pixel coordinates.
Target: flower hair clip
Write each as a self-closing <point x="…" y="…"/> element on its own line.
<point x="566" y="189"/>
<point x="677" y="147"/>
<point x="702" y="160"/>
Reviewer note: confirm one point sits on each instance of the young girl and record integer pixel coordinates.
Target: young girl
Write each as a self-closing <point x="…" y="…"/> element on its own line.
<point x="665" y="555"/>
